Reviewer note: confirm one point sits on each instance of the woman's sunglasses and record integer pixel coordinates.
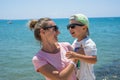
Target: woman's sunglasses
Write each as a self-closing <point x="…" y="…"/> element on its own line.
<point x="55" y="27"/>
<point x="72" y="26"/>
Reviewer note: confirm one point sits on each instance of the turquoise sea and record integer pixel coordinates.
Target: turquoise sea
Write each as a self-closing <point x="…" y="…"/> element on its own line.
<point x="18" y="46"/>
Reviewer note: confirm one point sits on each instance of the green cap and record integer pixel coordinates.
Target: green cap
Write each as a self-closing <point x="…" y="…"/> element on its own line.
<point x="80" y="18"/>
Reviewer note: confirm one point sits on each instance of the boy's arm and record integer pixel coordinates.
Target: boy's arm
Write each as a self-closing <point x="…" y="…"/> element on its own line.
<point x="87" y="58"/>
<point x="81" y="56"/>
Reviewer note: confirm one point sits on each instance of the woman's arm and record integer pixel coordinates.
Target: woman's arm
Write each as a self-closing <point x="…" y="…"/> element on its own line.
<point x="52" y="73"/>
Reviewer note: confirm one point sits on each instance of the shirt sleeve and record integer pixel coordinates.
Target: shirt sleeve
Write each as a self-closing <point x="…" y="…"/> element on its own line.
<point x="38" y="62"/>
<point x="90" y="49"/>
<point x="69" y="46"/>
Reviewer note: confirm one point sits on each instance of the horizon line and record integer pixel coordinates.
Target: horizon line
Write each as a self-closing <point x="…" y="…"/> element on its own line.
<point x="60" y="18"/>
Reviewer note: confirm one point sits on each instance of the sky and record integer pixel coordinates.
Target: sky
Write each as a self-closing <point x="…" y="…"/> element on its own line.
<point x="32" y="9"/>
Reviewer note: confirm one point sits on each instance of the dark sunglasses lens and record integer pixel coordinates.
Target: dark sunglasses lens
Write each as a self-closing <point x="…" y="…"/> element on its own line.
<point x="55" y="28"/>
<point x="71" y="26"/>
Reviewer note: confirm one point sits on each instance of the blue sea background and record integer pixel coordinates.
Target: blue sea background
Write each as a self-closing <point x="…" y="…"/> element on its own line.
<point x="18" y="46"/>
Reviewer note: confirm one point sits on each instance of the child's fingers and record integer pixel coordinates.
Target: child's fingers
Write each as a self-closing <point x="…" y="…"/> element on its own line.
<point x="69" y="55"/>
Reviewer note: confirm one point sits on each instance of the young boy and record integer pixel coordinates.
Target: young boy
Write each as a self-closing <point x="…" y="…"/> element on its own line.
<point x="84" y="47"/>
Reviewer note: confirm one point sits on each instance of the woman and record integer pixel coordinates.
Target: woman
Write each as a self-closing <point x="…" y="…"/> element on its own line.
<point x="50" y="61"/>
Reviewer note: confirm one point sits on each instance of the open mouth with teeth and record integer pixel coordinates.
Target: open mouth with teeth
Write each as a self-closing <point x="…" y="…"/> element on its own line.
<point x="72" y="32"/>
<point x="56" y="38"/>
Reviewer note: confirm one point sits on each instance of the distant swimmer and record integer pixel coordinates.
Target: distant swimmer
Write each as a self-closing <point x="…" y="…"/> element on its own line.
<point x="9" y="22"/>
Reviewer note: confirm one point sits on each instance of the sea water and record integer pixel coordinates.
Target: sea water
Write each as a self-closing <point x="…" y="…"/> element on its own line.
<point x="18" y="46"/>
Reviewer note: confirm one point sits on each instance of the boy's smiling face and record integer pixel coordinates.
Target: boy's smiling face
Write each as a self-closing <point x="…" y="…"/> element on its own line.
<point x="77" y="31"/>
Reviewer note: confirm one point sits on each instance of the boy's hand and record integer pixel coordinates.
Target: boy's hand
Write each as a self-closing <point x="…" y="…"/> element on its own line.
<point x="71" y="55"/>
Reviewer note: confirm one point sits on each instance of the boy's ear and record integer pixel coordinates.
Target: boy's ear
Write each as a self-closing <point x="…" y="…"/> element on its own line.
<point x="84" y="27"/>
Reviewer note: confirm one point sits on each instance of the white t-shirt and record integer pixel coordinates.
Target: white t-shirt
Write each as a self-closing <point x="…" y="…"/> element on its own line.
<point x="86" y="71"/>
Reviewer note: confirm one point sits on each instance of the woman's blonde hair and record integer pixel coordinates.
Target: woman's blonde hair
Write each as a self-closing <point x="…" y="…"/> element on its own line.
<point x="36" y="25"/>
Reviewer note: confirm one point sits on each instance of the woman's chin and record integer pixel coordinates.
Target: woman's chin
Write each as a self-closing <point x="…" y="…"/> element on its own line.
<point x="73" y="36"/>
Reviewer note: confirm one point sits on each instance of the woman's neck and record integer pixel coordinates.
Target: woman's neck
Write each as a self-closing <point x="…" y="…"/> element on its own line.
<point x="51" y="47"/>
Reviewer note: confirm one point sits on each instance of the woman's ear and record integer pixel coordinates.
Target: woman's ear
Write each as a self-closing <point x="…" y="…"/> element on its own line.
<point x="42" y="31"/>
